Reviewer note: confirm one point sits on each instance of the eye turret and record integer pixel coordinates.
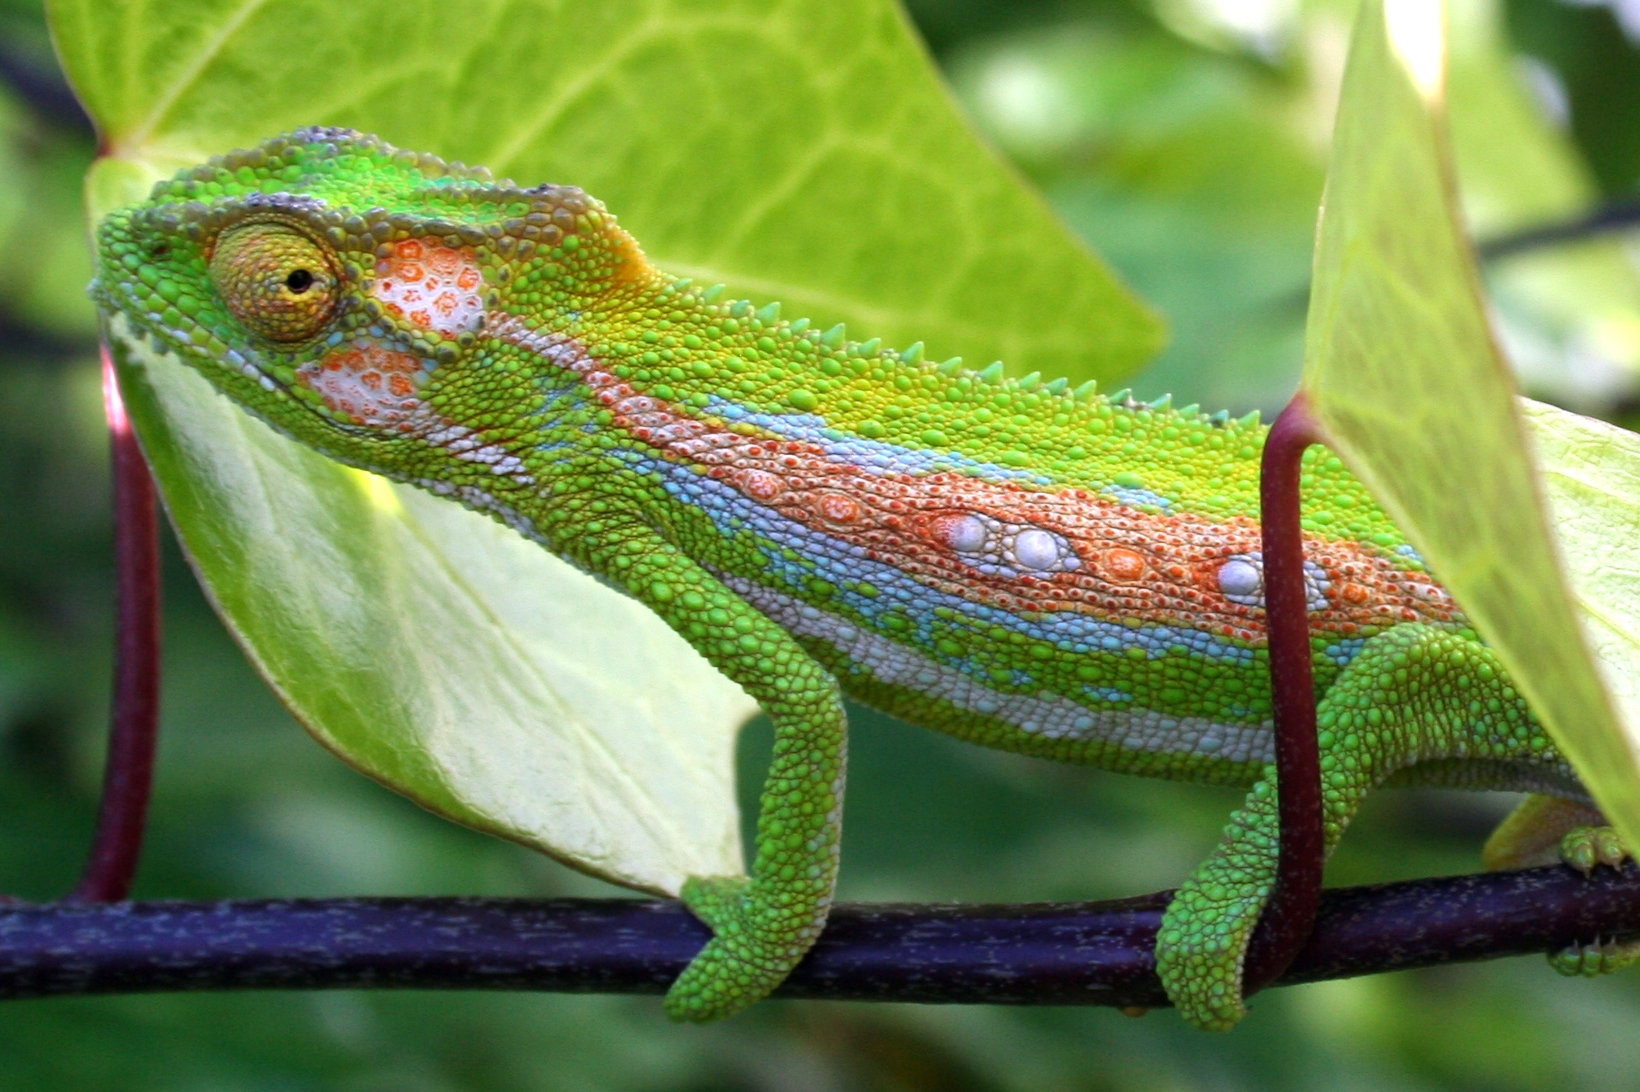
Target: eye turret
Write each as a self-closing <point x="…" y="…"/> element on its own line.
<point x="276" y="280"/>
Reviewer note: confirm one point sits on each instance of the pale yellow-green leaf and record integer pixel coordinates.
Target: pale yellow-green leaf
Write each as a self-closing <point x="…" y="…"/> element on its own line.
<point x="444" y="654"/>
<point x="1591" y="480"/>
<point x="1404" y="376"/>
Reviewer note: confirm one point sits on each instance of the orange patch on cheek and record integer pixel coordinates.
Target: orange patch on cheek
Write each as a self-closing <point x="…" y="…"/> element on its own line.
<point x="371" y="385"/>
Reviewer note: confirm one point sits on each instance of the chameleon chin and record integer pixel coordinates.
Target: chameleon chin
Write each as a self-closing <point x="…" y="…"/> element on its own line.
<point x="1025" y="566"/>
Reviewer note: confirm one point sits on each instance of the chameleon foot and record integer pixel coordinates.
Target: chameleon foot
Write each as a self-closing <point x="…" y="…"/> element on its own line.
<point x="753" y="949"/>
<point x="1203" y="942"/>
<point x="1586" y="848"/>
<point x="1590" y="960"/>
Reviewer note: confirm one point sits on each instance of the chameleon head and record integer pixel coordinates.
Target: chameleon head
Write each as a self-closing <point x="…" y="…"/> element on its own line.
<point x="341" y="288"/>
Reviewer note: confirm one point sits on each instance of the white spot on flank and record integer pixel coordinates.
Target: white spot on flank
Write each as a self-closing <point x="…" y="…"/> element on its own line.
<point x="968" y="535"/>
<point x="1242" y="582"/>
<point x="1036" y="549"/>
<point x="1008" y="549"/>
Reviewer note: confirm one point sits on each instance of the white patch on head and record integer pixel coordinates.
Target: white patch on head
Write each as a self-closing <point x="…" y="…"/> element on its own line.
<point x="431" y="285"/>
<point x="369" y="384"/>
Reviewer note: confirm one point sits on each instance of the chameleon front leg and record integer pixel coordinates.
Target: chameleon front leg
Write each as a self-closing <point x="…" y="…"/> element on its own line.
<point x="761" y="926"/>
<point x="1412" y="693"/>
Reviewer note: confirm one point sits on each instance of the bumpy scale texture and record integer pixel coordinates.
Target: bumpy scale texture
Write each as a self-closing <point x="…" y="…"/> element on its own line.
<point x="1044" y="570"/>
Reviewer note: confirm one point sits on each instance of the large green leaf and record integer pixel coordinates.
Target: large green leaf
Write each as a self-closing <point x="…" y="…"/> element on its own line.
<point x="1591" y="480"/>
<point x="1413" y="395"/>
<point x="804" y="151"/>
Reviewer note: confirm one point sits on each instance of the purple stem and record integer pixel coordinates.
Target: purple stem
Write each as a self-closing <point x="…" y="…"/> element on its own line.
<point x="1291" y="912"/>
<point x="134" y="715"/>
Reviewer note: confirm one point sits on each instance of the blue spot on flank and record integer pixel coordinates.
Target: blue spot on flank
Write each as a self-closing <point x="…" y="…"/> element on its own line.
<point x="1342" y="652"/>
<point x="871" y="456"/>
<point x="1136" y="498"/>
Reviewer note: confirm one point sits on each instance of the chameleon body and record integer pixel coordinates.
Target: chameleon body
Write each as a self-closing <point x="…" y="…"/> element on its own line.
<point x="1047" y="571"/>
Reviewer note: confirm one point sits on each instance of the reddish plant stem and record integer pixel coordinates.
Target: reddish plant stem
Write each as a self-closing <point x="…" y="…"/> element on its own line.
<point x="1290" y="915"/>
<point x="134" y="712"/>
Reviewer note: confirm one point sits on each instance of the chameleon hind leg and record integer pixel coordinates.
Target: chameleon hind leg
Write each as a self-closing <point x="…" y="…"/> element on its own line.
<point x="761" y="925"/>
<point x="1547" y="829"/>
<point x="1412" y="693"/>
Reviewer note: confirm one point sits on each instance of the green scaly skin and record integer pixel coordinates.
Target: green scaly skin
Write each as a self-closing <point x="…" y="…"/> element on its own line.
<point x="1033" y="568"/>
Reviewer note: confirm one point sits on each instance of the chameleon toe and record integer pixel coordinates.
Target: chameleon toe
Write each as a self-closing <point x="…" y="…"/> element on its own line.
<point x="1586" y="848"/>
<point x="1595" y="958"/>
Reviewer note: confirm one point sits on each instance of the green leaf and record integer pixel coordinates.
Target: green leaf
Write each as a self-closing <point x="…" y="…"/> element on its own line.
<point x="1591" y="481"/>
<point x="804" y="152"/>
<point x="1412" y="393"/>
<point x="807" y="153"/>
<point x="445" y="655"/>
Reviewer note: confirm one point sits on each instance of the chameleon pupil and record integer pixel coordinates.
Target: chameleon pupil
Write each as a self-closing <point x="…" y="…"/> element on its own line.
<point x="299" y="281"/>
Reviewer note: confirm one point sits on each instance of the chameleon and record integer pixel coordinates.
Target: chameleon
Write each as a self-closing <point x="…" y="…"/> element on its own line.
<point x="1021" y="564"/>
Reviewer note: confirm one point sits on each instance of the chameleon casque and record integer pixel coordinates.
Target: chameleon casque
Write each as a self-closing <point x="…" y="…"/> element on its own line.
<point x="1028" y="567"/>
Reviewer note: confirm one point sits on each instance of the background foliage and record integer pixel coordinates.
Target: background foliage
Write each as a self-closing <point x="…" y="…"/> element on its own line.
<point x="1182" y="139"/>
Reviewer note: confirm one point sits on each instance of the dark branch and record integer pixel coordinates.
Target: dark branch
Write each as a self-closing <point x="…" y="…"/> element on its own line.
<point x="1040" y="954"/>
<point x="1603" y="220"/>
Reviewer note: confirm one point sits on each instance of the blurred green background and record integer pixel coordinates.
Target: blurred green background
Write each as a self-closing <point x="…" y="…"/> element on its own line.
<point x="1185" y="139"/>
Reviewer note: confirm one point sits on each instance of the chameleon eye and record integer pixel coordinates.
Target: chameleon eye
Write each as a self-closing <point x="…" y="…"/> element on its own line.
<point x="275" y="280"/>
